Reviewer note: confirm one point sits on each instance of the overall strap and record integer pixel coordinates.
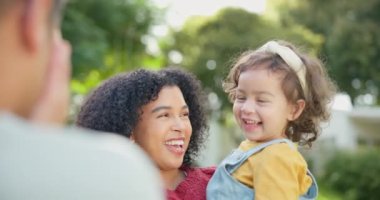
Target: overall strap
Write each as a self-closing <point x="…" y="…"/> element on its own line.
<point x="266" y="144"/>
<point x="244" y="156"/>
<point x="312" y="193"/>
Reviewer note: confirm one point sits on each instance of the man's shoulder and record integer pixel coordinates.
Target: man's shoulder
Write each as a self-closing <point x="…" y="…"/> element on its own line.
<point x="52" y="163"/>
<point x="20" y="134"/>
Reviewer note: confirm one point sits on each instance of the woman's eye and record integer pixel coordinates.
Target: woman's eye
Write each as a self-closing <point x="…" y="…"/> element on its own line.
<point x="163" y="115"/>
<point x="186" y="114"/>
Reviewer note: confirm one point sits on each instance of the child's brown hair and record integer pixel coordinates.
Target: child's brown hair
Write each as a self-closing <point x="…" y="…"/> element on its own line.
<point x="314" y="87"/>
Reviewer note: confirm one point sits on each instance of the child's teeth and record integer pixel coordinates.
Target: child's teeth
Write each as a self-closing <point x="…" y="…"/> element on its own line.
<point x="249" y="122"/>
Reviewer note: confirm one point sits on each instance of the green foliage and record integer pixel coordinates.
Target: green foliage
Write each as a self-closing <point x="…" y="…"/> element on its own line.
<point x="102" y="29"/>
<point x="356" y="175"/>
<point x="82" y="32"/>
<point x="352" y="40"/>
<point x="325" y="193"/>
<point x="210" y="44"/>
<point x="106" y="38"/>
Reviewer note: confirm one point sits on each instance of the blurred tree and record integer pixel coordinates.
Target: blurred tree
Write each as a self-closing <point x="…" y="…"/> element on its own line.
<point x="107" y="35"/>
<point x="208" y="45"/>
<point x="352" y="39"/>
<point x="354" y="175"/>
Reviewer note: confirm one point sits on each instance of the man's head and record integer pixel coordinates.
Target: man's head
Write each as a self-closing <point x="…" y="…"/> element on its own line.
<point x="29" y="34"/>
<point x="55" y="10"/>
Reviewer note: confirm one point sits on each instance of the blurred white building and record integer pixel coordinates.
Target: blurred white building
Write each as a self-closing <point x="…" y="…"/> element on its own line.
<point x="348" y="127"/>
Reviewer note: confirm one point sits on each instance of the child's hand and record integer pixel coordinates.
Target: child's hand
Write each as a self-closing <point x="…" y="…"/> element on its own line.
<point x="52" y="106"/>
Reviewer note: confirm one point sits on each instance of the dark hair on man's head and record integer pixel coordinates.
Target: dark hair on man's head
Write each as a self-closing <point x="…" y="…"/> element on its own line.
<point x="56" y="12"/>
<point x="5" y="5"/>
<point x="115" y="106"/>
<point x="56" y="9"/>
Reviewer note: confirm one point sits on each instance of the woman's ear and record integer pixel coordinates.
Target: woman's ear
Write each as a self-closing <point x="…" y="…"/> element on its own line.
<point x="296" y="109"/>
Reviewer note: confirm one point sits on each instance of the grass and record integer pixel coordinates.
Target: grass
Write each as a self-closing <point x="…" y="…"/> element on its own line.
<point x="326" y="193"/>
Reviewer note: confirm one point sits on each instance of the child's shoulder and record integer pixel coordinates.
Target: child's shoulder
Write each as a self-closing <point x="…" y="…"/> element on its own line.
<point x="278" y="148"/>
<point x="282" y="153"/>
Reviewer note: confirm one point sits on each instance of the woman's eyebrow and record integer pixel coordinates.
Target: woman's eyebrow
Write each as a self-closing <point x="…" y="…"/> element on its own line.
<point x="167" y="108"/>
<point x="161" y="108"/>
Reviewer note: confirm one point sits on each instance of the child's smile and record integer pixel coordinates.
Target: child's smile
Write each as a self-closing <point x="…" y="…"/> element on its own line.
<point x="261" y="108"/>
<point x="251" y="125"/>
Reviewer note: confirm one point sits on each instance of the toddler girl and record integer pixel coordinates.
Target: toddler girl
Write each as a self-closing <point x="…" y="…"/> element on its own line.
<point x="279" y="96"/>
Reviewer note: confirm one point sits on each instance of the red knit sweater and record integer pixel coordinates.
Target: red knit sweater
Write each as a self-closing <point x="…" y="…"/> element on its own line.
<point x="194" y="186"/>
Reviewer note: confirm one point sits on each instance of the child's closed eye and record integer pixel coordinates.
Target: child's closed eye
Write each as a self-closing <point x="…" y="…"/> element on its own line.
<point x="263" y="100"/>
<point x="240" y="98"/>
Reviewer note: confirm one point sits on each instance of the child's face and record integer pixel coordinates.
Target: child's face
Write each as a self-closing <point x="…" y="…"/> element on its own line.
<point x="261" y="108"/>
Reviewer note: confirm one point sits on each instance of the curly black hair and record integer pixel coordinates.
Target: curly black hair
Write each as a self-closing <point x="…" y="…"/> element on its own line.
<point x="115" y="106"/>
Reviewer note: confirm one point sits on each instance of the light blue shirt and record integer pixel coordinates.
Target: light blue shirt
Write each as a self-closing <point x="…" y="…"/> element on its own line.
<point x="49" y="163"/>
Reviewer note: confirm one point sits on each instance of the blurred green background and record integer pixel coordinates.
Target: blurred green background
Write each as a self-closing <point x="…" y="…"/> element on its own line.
<point x="113" y="36"/>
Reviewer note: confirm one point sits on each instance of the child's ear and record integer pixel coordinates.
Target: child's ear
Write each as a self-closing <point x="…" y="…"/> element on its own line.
<point x="296" y="109"/>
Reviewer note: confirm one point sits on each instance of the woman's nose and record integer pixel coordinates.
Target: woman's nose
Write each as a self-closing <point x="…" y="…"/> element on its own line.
<point x="178" y="124"/>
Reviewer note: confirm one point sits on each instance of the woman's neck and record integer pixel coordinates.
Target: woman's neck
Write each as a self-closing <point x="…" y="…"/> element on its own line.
<point x="172" y="178"/>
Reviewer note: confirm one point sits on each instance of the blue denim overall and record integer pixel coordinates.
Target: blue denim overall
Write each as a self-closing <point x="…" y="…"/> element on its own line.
<point x="223" y="186"/>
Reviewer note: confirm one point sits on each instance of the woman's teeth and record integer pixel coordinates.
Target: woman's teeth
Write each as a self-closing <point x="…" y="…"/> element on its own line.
<point x="175" y="142"/>
<point x="176" y="146"/>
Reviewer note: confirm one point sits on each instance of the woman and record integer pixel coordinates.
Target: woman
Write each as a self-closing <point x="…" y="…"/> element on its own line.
<point x="162" y="112"/>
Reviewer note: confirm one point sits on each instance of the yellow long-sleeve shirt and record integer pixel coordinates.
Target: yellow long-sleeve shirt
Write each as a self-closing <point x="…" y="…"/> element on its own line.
<point x="277" y="172"/>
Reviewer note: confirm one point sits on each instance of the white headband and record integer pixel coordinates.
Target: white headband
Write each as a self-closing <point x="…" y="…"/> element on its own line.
<point x="290" y="58"/>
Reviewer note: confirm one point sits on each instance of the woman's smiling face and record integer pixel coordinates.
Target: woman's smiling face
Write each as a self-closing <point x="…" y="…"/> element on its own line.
<point x="164" y="129"/>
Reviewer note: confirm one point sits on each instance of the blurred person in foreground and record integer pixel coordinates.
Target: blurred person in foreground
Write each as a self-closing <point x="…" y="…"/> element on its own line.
<point x="39" y="159"/>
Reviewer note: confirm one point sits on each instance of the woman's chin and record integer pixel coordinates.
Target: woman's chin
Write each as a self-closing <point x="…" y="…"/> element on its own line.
<point x="170" y="166"/>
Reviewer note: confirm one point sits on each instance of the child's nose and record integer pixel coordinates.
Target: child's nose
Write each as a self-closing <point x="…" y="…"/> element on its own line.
<point x="248" y="107"/>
